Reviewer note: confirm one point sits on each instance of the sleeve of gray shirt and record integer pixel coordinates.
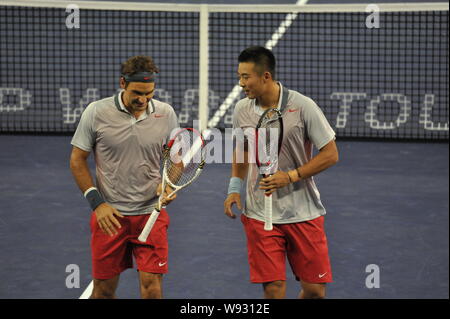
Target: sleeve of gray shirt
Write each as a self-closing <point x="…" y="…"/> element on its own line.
<point x="235" y="116"/>
<point x="319" y="130"/>
<point x="84" y="137"/>
<point x="237" y="131"/>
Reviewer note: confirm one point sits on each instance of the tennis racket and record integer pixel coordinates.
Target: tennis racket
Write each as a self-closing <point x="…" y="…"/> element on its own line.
<point x="183" y="161"/>
<point x="269" y="137"/>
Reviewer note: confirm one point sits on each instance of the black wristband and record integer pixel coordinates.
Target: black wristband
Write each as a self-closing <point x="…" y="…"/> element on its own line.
<point x="94" y="198"/>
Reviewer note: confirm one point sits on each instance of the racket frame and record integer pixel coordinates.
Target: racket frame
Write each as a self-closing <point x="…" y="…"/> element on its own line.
<point x="268" y="226"/>
<point x="166" y="181"/>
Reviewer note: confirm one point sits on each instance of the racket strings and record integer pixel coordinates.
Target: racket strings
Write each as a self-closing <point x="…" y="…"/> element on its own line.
<point x="179" y="173"/>
<point x="268" y="140"/>
<point x="185" y="159"/>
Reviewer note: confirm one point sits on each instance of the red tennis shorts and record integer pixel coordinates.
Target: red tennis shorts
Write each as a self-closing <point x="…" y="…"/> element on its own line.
<point x="304" y="244"/>
<point x="113" y="255"/>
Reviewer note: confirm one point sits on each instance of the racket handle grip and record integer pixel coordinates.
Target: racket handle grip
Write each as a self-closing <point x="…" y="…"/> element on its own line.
<point x="148" y="226"/>
<point x="268" y="212"/>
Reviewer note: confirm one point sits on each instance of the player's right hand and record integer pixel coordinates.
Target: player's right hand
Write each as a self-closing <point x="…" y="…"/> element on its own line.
<point x="166" y="199"/>
<point x="106" y="220"/>
<point x="228" y="204"/>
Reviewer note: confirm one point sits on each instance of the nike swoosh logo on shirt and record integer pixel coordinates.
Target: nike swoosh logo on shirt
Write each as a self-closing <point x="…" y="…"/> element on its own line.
<point x="158" y="116"/>
<point x="293" y="110"/>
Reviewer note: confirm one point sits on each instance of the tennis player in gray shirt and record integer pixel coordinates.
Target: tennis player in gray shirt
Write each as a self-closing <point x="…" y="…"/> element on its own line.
<point x="298" y="213"/>
<point x="126" y="132"/>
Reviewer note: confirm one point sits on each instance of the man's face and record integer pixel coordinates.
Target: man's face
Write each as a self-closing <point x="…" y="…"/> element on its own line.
<point x="250" y="80"/>
<point x="137" y="95"/>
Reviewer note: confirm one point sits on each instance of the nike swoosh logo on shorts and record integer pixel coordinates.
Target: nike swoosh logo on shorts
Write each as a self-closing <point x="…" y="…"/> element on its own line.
<point x="321" y="275"/>
<point x="162" y="264"/>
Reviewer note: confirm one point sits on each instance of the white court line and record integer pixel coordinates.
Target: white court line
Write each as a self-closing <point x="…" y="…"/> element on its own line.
<point x="270" y="44"/>
<point x="88" y="291"/>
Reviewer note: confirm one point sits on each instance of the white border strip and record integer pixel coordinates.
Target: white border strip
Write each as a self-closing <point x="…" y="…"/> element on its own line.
<point x="105" y="5"/>
<point x="298" y="8"/>
<point x="203" y="89"/>
<point x="145" y="6"/>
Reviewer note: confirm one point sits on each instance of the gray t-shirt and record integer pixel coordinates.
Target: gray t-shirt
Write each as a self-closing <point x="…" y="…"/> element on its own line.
<point x="127" y="150"/>
<point x="305" y="126"/>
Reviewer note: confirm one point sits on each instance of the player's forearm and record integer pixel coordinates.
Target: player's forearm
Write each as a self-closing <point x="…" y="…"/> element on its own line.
<point x="239" y="170"/>
<point x="327" y="157"/>
<point x="81" y="174"/>
<point x="239" y="167"/>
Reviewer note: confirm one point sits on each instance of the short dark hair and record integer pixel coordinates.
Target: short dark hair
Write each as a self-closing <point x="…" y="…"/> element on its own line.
<point x="138" y="63"/>
<point x="263" y="58"/>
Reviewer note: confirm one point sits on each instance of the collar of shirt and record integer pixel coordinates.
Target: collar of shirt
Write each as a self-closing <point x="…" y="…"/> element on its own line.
<point x="259" y="110"/>
<point x="144" y="115"/>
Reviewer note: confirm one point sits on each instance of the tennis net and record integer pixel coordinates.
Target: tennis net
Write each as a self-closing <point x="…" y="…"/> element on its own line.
<point x="376" y="74"/>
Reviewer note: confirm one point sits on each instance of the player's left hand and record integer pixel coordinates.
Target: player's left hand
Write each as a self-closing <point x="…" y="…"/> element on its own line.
<point x="271" y="183"/>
